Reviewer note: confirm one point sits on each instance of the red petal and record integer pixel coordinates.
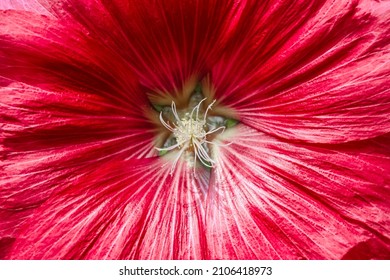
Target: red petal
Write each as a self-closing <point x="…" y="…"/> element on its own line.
<point x="5" y="244"/>
<point x="273" y="199"/>
<point x="319" y="72"/>
<point x="124" y="210"/>
<point x="50" y="138"/>
<point x="373" y="249"/>
<point x="57" y="55"/>
<point x="291" y="201"/>
<point x="166" y="42"/>
<point x="23" y="5"/>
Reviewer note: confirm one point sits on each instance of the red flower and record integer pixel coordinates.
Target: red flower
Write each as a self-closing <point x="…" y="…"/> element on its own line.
<point x="112" y="148"/>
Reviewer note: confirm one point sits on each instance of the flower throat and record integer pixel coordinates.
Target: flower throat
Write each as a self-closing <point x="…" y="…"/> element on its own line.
<point x="192" y="131"/>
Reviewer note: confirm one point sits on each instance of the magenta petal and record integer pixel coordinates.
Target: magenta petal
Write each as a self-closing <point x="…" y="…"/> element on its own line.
<point x="306" y="175"/>
<point x="372" y="249"/>
<point x="318" y="73"/>
<point x="57" y="55"/>
<point x="129" y="209"/>
<point x="5" y="245"/>
<point x="291" y="201"/>
<point x="49" y="138"/>
<point x="24" y="5"/>
<point x="184" y="45"/>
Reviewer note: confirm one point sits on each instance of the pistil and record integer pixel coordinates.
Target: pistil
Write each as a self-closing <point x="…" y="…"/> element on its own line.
<point x="191" y="133"/>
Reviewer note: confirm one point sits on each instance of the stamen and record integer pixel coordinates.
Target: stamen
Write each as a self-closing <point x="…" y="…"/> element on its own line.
<point x="177" y="159"/>
<point x="191" y="135"/>
<point x="166" y="125"/>
<point x="175" y="112"/>
<point x="207" y="110"/>
<point x="170" y="148"/>
<point x="216" y="129"/>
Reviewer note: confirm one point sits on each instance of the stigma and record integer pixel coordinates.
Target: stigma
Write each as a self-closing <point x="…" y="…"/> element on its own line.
<point x="190" y="135"/>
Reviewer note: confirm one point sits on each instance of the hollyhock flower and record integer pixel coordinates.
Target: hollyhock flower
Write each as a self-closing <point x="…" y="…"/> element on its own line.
<point x="194" y="129"/>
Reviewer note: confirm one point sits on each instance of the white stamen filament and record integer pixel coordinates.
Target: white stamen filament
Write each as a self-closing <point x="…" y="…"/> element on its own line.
<point x="167" y="126"/>
<point x="190" y="134"/>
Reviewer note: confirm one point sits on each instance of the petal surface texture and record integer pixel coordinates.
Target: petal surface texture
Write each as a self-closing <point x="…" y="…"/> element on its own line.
<point x="125" y="210"/>
<point x="303" y="174"/>
<point x="323" y="78"/>
<point x="24" y="5"/>
<point x="292" y="198"/>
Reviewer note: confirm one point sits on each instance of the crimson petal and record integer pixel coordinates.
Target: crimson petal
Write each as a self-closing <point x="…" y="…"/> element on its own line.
<point x="318" y="73"/>
<point x="126" y="209"/>
<point x="373" y="248"/>
<point x="61" y="56"/>
<point x="275" y="199"/>
<point x="70" y="186"/>
<point x="49" y="138"/>
<point x="165" y="43"/>
<point x="24" y="5"/>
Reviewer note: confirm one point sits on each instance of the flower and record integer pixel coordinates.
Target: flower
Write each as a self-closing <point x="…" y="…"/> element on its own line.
<point x="194" y="129"/>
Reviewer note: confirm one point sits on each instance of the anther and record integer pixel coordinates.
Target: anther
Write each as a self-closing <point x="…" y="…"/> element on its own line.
<point x="191" y="134"/>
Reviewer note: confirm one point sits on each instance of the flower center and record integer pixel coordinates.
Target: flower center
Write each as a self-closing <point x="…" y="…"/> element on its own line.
<point x="191" y="133"/>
